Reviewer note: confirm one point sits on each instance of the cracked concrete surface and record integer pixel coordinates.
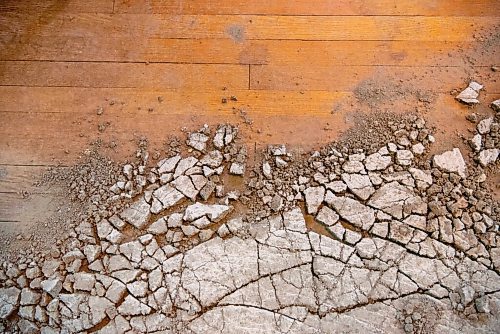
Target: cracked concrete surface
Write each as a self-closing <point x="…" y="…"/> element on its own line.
<point x="392" y="245"/>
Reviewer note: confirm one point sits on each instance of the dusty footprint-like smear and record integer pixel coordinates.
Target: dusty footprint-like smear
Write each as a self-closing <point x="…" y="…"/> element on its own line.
<point x="363" y="235"/>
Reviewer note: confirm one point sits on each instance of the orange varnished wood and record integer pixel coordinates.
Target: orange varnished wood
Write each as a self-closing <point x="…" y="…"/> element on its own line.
<point x="250" y="27"/>
<point x="308" y="7"/>
<point x="92" y="74"/>
<point x="225" y="51"/>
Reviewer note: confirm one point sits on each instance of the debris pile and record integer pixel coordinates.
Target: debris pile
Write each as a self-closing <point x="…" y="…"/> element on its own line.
<point x="389" y="240"/>
<point x="486" y="143"/>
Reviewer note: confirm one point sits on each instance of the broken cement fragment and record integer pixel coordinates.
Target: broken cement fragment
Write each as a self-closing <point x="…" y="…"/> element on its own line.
<point x="484" y="126"/>
<point x="184" y="165"/>
<point x="52" y="286"/>
<point x="168" y="165"/>
<point x="397" y="200"/>
<point x="280" y="163"/>
<point x="451" y="161"/>
<point x="137" y="214"/>
<point x="469" y="95"/>
<point x="351" y="210"/>
<point x="212" y="159"/>
<point x="487" y="157"/>
<point x="476" y="142"/>
<point x="495" y="105"/>
<point x="198" y="141"/>
<point x="404" y="157"/>
<point x="84" y="281"/>
<point x="158" y="227"/>
<point x="327" y="216"/>
<point x="214" y="212"/>
<point x="185" y="185"/>
<point x="360" y="185"/>
<point x="164" y="198"/>
<point x="277" y="150"/>
<point x="266" y="169"/>
<point x="224" y="136"/>
<point x="237" y="168"/>
<point x="376" y="161"/>
<point x="314" y="196"/>
<point x="131" y="306"/>
<point x="9" y="298"/>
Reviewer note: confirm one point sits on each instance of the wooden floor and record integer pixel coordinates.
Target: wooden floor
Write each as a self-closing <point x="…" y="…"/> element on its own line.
<point x="155" y="66"/>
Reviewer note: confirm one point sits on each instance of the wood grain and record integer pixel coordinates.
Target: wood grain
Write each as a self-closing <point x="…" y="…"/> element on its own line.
<point x="306" y="7"/>
<point x="253" y="27"/>
<point x="15" y="208"/>
<point x="160" y="76"/>
<point x="328" y="77"/>
<point x="17" y="179"/>
<point x="48" y="126"/>
<point x="290" y="76"/>
<point x="51" y="138"/>
<point x="223" y="51"/>
<point x="51" y="6"/>
<point x="119" y="101"/>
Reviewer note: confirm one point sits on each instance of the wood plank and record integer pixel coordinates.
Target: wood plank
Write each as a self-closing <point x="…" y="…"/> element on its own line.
<point x="17" y="26"/>
<point x="23" y="20"/>
<point x="222" y="51"/>
<point x="53" y="6"/>
<point x="306" y="7"/>
<point x="311" y="76"/>
<point x="367" y="53"/>
<point x="327" y="28"/>
<point x="33" y="134"/>
<point x="311" y="121"/>
<point x="123" y="101"/>
<point x="25" y="101"/>
<point x="212" y="76"/>
<point x="56" y="138"/>
<point x="254" y="27"/>
<point x="35" y="208"/>
<point x="50" y="138"/>
<point x="166" y="76"/>
<point x="85" y="101"/>
<point x="17" y="179"/>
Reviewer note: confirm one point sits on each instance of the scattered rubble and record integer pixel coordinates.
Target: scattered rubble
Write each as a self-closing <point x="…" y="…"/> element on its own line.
<point x="486" y="142"/>
<point x="398" y="242"/>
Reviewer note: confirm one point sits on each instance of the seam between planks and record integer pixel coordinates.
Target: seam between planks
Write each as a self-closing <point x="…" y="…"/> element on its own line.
<point x="173" y="13"/>
<point x="221" y="64"/>
<point x="145" y="62"/>
<point x="32" y="165"/>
